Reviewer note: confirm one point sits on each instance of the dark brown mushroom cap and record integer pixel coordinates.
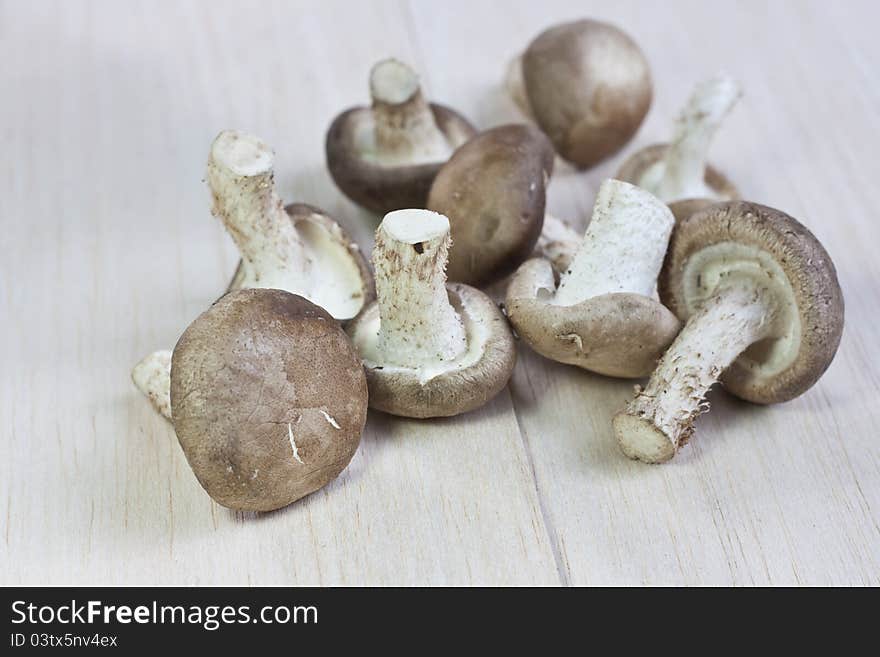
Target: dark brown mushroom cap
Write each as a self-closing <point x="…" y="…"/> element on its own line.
<point x="635" y="166"/>
<point x="589" y="88"/>
<point x="466" y="385"/>
<point x="268" y="398"/>
<point x="314" y="225"/>
<point x="809" y="272"/>
<point x="493" y="190"/>
<point x="378" y="188"/>
<point x="618" y="334"/>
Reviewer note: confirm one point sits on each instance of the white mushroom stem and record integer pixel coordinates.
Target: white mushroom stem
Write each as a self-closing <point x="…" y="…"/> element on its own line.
<point x="623" y="247"/>
<point x="681" y="172"/>
<point x="405" y="129"/>
<point x="242" y="184"/>
<point x="152" y="376"/>
<point x="660" y="418"/>
<point x="418" y="325"/>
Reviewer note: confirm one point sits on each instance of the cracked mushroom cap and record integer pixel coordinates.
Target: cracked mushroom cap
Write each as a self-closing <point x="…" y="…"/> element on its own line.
<point x="346" y="280"/>
<point x="635" y="167"/>
<point x="450" y="388"/>
<point x="493" y="190"/>
<point x="268" y="399"/>
<point x="382" y="182"/>
<point x="618" y="334"/>
<point x="741" y="239"/>
<point x="588" y="87"/>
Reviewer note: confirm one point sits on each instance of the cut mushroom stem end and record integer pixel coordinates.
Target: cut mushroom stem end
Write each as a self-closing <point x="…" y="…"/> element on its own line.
<point x="298" y="249"/>
<point x="241" y="177"/>
<point x="763" y="314"/>
<point x="418" y="324"/>
<point x="152" y="376"/>
<point x="661" y="417"/>
<point x="406" y="130"/>
<point x="429" y="348"/>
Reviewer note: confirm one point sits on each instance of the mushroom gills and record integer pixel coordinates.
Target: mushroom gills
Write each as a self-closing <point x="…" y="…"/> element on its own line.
<point x="336" y="286"/>
<point x="401" y="128"/>
<point x="476" y="332"/>
<point x="294" y="249"/>
<point x="717" y="265"/>
<point x="416" y="325"/>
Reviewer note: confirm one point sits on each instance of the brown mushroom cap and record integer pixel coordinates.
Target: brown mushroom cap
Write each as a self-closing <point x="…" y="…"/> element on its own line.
<point x="321" y="234"/>
<point x="456" y="386"/>
<point x="589" y="88"/>
<point x="686" y="207"/>
<point x="268" y="398"/>
<point x="492" y="190"/>
<point x="377" y="187"/>
<point x="618" y="334"/>
<point x="635" y="166"/>
<point x="738" y="238"/>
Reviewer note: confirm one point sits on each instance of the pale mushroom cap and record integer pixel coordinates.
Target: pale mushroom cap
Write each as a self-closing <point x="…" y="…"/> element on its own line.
<point x="634" y="167"/>
<point x="616" y="334"/>
<point x="493" y="190"/>
<point x="741" y="239"/>
<point x="342" y="278"/>
<point x="453" y="387"/>
<point x="268" y="398"/>
<point x="589" y="87"/>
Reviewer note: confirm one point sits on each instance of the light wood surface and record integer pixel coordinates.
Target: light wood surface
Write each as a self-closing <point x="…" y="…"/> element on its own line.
<point x="108" y="248"/>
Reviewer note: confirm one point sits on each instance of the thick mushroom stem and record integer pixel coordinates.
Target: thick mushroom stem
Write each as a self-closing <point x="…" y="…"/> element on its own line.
<point x="661" y="417"/>
<point x="406" y="131"/>
<point x="623" y="247"/>
<point x="681" y="172"/>
<point x="242" y="184"/>
<point x="417" y="324"/>
<point x="152" y="376"/>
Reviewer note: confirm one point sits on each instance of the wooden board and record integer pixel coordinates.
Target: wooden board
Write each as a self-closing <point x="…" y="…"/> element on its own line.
<point x="109" y="250"/>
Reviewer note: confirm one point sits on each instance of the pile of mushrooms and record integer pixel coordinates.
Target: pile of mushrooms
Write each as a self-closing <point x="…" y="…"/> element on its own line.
<point x="674" y="278"/>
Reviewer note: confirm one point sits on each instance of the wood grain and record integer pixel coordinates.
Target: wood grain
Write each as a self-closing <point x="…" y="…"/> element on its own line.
<point x="108" y="251"/>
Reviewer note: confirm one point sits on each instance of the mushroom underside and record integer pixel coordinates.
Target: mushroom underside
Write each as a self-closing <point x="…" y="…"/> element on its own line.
<point x="740" y="242"/>
<point x="645" y="161"/>
<point x="339" y="278"/>
<point x="447" y="388"/>
<point x="376" y="186"/>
